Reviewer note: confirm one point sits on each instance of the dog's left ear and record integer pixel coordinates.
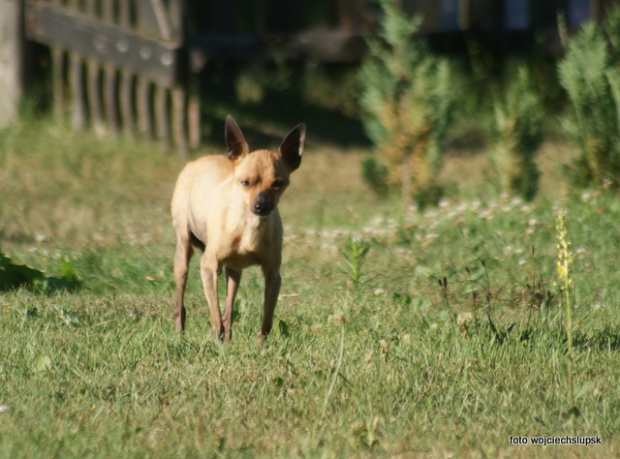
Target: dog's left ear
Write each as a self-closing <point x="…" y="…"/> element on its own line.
<point x="293" y="146"/>
<point x="235" y="141"/>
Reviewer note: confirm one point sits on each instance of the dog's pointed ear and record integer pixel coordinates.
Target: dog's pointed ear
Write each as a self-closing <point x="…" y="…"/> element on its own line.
<point x="235" y="141"/>
<point x="292" y="146"/>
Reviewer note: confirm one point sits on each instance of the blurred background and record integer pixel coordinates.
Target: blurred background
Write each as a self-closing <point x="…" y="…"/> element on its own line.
<point x="448" y="76"/>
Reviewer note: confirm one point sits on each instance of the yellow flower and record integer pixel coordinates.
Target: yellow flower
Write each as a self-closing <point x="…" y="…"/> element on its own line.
<point x="565" y="256"/>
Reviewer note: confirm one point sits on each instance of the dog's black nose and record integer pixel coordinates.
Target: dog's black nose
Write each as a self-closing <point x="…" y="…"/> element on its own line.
<point x="263" y="206"/>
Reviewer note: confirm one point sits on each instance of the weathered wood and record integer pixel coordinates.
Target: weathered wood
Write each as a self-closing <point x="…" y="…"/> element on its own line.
<point x="58" y="82"/>
<point x="78" y="105"/>
<point x="152" y="19"/>
<point x="127" y="80"/>
<point x="175" y="13"/>
<point x="193" y="118"/>
<point x="90" y="37"/>
<point x="143" y="102"/>
<point x="125" y="13"/>
<point x="127" y="96"/>
<point x="76" y="78"/>
<point x="11" y="60"/>
<point x="110" y="99"/>
<point x="107" y="9"/>
<point x="93" y="86"/>
<point x="94" y="96"/>
<point x="161" y="114"/>
<point x="165" y="28"/>
<point x="178" y="120"/>
<point x="125" y="66"/>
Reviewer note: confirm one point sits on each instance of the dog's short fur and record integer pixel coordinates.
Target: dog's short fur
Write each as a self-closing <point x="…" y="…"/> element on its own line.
<point x="227" y="207"/>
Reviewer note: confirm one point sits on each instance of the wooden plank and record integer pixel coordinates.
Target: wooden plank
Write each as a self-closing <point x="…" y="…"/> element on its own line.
<point x="176" y="10"/>
<point x="178" y="121"/>
<point x="109" y="78"/>
<point x="143" y="102"/>
<point x="161" y="115"/>
<point x="152" y="19"/>
<point x="11" y="60"/>
<point x="110" y="99"/>
<point x="127" y="96"/>
<point x="93" y="69"/>
<point x="94" y="96"/>
<point x="124" y="17"/>
<point x="91" y="37"/>
<point x="107" y="10"/>
<point x="193" y="118"/>
<point x="78" y="105"/>
<point x="58" y="81"/>
<point x="76" y="80"/>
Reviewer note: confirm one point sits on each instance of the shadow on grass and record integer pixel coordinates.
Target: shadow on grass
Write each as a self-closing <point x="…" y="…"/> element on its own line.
<point x="608" y="338"/>
<point x="14" y="275"/>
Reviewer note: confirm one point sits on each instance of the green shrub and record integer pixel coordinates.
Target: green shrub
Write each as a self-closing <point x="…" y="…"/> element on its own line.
<point x="591" y="78"/>
<point x="406" y="96"/>
<point x="375" y="174"/>
<point x="517" y="133"/>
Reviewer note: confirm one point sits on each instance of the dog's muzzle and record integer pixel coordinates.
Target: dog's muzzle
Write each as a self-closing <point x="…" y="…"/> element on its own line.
<point x="263" y="206"/>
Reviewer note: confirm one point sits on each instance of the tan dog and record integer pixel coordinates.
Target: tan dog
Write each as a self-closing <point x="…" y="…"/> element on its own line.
<point x="227" y="207"/>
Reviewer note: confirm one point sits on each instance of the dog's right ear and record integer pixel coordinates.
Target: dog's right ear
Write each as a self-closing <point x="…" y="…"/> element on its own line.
<point x="235" y="141"/>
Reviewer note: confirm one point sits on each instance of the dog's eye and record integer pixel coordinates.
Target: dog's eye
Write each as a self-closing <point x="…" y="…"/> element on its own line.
<point x="245" y="183"/>
<point x="278" y="184"/>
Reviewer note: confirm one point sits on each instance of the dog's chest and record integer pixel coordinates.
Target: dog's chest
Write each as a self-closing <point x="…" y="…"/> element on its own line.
<point x="245" y="248"/>
<point x="245" y="243"/>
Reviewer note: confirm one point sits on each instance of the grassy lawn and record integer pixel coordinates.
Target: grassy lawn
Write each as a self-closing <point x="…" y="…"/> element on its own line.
<point x="369" y="358"/>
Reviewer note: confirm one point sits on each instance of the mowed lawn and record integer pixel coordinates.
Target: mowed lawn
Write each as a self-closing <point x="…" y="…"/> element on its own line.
<point x="369" y="357"/>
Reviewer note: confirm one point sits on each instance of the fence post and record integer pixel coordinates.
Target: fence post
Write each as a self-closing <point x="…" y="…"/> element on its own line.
<point x="11" y="59"/>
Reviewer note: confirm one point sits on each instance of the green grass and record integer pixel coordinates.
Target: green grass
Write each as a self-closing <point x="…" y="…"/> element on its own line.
<point x="395" y="366"/>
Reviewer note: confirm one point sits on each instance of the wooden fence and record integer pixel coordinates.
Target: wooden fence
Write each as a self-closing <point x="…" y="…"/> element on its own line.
<point x="119" y="65"/>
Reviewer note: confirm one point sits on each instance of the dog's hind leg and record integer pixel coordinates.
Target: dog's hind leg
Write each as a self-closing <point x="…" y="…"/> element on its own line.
<point x="232" y="284"/>
<point x="182" y="256"/>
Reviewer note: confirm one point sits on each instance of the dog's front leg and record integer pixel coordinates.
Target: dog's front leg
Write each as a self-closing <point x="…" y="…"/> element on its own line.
<point x="208" y="273"/>
<point x="232" y="284"/>
<point x="272" y="290"/>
